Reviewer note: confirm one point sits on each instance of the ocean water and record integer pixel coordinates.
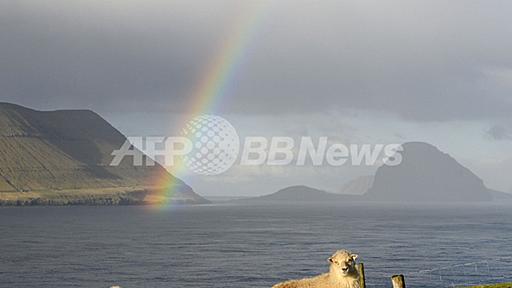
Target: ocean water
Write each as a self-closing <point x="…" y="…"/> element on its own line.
<point x="227" y="245"/>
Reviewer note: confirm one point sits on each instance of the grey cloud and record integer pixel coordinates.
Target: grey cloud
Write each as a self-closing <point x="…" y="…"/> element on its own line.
<point x="422" y="60"/>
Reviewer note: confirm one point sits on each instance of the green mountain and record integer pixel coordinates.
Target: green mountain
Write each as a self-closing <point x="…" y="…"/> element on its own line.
<point x="63" y="157"/>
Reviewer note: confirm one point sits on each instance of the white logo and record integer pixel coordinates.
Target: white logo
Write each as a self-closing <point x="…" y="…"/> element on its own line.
<point x="215" y="145"/>
<point x="209" y="145"/>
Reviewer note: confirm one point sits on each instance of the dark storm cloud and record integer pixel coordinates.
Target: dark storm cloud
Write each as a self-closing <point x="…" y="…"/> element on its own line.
<point x="423" y="60"/>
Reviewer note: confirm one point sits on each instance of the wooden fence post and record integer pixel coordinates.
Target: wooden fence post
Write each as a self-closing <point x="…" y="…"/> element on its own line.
<point x="360" y="270"/>
<point x="398" y="281"/>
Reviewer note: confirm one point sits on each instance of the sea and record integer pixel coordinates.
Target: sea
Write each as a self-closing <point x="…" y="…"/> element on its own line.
<point x="241" y="245"/>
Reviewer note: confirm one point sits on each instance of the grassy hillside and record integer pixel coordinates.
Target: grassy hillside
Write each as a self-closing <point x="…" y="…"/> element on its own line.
<point x="64" y="156"/>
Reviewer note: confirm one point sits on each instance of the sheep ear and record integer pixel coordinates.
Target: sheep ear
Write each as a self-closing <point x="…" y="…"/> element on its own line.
<point x="354" y="256"/>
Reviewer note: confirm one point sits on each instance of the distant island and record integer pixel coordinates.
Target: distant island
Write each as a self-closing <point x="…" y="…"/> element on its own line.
<point x="62" y="158"/>
<point x="425" y="175"/>
<point x="300" y="193"/>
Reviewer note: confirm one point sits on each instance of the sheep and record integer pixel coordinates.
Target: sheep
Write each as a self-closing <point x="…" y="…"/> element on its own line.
<point x="342" y="274"/>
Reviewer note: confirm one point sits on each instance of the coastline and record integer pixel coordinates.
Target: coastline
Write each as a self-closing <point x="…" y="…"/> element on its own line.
<point x="136" y="195"/>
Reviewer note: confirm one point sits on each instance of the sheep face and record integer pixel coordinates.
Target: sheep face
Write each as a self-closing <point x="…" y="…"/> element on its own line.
<point x="343" y="262"/>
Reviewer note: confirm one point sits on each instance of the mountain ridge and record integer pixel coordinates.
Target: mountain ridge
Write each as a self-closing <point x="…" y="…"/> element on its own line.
<point x="393" y="183"/>
<point x="427" y="174"/>
<point x="63" y="157"/>
<point x="301" y="193"/>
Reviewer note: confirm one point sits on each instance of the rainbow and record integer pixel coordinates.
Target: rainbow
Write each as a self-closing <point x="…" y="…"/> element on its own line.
<point x="218" y="78"/>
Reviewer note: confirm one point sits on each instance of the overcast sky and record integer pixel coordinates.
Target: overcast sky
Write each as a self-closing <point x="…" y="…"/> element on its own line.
<point x="375" y="71"/>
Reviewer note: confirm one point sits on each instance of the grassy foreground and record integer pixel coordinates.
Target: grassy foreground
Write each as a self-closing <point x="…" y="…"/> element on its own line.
<point x="501" y="285"/>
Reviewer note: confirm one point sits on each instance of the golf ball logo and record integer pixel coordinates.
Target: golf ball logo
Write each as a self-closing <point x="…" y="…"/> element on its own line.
<point x="215" y="145"/>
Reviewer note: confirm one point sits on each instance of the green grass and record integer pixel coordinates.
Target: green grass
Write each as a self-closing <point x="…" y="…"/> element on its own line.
<point x="501" y="285"/>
